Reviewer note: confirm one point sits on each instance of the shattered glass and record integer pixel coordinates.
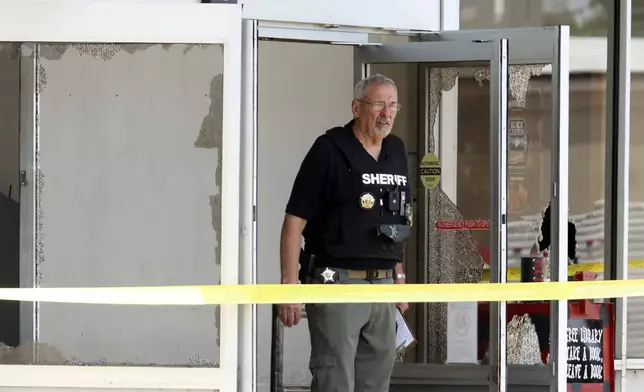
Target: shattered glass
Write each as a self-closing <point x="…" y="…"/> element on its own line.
<point x="523" y="342"/>
<point x="453" y="256"/>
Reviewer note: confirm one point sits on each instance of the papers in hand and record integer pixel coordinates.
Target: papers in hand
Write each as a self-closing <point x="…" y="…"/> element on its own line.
<point x="404" y="336"/>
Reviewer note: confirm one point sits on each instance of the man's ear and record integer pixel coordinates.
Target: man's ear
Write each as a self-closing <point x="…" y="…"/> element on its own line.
<point x="355" y="108"/>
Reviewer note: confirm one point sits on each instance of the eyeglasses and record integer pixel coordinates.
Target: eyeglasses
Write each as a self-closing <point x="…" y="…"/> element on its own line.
<point x="380" y="105"/>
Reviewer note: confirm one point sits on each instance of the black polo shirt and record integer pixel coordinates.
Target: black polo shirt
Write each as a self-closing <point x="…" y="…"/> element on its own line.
<point x="324" y="173"/>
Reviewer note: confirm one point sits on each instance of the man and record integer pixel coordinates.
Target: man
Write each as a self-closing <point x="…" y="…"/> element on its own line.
<point x="351" y="202"/>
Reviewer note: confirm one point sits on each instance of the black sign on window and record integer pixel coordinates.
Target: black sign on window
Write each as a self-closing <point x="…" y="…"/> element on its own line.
<point x="585" y="351"/>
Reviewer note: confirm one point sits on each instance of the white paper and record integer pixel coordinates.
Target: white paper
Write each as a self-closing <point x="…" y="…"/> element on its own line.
<point x="462" y="332"/>
<point x="404" y="336"/>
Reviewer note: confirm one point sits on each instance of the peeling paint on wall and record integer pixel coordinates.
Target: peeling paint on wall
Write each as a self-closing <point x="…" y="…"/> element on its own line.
<point x="197" y="361"/>
<point x="40" y="241"/>
<point x="73" y="344"/>
<point x="212" y="125"/>
<point x="215" y="206"/>
<point x="41" y="79"/>
<point x="35" y="353"/>
<point x="103" y="52"/>
<point x="77" y="362"/>
<point x="31" y="353"/>
<point x="11" y="50"/>
<point x="218" y="321"/>
<point x="210" y="137"/>
<point x="52" y="51"/>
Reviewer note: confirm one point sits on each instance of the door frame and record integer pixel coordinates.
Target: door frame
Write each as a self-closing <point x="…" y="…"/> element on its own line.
<point x="40" y="21"/>
<point x="548" y="45"/>
<point x="543" y="45"/>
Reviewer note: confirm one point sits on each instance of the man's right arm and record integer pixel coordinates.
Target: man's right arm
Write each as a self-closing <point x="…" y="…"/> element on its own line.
<point x="290" y="246"/>
<point x="307" y="198"/>
<point x="306" y="201"/>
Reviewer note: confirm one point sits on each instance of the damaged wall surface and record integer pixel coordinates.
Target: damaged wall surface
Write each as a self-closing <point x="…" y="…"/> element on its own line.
<point x="129" y="156"/>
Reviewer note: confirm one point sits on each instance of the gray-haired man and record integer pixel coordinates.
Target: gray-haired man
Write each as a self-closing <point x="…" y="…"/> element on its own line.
<point x="351" y="201"/>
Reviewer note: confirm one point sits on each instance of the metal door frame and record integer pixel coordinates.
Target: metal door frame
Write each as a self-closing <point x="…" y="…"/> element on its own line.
<point x="495" y="54"/>
<point x="544" y="45"/>
<point x="33" y="21"/>
<point x="548" y="45"/>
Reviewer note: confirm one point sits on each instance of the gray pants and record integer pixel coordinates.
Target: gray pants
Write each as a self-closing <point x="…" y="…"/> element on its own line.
<point x="353" y="346"/>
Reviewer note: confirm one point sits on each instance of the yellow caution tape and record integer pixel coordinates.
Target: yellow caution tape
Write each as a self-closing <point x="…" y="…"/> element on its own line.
<point x="514" y="273"/>
<point x="332" y="293"/>
<point x="329" y="293"/>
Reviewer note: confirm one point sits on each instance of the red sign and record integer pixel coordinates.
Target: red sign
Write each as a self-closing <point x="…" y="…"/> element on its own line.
<point x="462" y="224"/>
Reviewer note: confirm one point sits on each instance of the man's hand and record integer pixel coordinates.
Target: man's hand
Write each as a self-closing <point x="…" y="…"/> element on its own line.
<point x="290" y="248"/>
<point x="290" y="314"/>
<point x="402" y="306"/>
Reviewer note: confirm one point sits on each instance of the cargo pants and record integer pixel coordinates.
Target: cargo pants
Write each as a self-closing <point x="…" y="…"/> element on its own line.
<point x="353" y="346"/>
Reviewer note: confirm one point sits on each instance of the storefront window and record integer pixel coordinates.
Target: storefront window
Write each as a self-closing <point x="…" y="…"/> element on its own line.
<point x="636" y="183"/>
<point x="637" y="20"/>
<point x="530" y="136"/>
<point x="585" y="17"/>
<point x="127" y="193"/>
<point x="529" y="189"/>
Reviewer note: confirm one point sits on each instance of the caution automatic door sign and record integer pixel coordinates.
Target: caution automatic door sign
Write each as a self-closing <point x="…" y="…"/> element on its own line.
<point x="430" y="171"/>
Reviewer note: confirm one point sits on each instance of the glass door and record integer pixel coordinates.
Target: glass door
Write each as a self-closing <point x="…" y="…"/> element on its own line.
<point x="129" y="160"/>
<point x="468" y="207"/>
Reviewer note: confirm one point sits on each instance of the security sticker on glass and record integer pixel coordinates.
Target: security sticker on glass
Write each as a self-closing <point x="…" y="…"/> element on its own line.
<point x="367" y="201"/>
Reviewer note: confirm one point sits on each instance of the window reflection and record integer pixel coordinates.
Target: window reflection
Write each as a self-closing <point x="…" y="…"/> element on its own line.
<point x="636" y="207"/>
<point x="528" y="193"/>
<point x="635" y="320"/>
<point x="585" y="17"/>
<point x="530" y="130"/>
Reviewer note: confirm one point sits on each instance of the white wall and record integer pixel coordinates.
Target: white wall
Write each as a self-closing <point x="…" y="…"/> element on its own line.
<point x="304" y="89"/>
<point x="130" y="152"/>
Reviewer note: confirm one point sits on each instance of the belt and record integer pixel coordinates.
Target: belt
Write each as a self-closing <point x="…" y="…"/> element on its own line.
<point x="370" y="274"/>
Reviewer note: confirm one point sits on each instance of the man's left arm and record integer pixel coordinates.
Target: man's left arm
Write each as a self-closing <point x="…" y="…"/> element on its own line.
<point x="398" y="270"/>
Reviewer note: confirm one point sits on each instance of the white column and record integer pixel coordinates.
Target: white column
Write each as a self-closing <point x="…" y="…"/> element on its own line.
<point x="447" y="119"/>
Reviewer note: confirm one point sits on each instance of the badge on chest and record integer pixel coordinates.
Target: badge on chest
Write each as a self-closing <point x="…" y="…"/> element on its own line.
<point x="367" y="201"/>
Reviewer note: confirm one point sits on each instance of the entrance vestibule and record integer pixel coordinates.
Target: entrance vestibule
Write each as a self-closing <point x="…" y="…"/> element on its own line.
<point x="424" y="127"/>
